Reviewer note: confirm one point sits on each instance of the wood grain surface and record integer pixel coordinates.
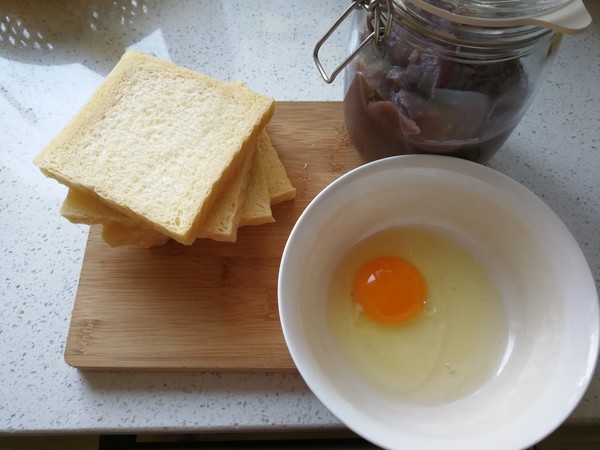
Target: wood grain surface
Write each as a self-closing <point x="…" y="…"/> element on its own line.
<point x="208" y="306"/>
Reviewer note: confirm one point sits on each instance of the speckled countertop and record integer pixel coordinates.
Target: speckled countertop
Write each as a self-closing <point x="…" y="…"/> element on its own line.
<point x="51" y="60"/>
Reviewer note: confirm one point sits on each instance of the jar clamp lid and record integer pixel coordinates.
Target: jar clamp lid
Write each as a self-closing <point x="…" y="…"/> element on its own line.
<point x="563" y="16"/>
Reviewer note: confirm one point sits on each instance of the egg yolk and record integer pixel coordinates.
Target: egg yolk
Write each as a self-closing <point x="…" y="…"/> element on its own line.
<point x="389" y="289"/>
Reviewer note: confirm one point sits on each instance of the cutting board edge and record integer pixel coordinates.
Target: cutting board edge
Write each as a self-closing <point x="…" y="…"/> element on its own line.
<point x="89" y="364"/>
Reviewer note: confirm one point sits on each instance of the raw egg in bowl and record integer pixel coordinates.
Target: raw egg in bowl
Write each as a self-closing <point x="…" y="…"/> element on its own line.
<point x="430" y="302"/>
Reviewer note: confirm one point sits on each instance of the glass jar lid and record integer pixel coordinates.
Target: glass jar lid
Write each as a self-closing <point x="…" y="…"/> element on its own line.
<point x="496" y="9"/>
<point x="564" y="16"/>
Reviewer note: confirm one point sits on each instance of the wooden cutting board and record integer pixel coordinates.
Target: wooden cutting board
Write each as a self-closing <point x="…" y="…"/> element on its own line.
<point x="208" y="306"/>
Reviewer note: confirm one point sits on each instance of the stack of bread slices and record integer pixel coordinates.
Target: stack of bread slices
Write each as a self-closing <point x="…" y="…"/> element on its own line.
<point x="162" y="152"/>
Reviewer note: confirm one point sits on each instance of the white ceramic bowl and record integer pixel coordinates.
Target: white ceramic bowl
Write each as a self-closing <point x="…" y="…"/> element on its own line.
<point x="549" y="296"/>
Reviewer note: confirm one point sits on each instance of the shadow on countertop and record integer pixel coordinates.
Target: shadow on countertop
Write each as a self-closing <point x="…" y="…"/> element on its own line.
<point x="94" y="33"/>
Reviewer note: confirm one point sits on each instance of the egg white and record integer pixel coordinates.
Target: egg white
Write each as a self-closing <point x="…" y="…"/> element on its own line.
<point x="449" y="349"/>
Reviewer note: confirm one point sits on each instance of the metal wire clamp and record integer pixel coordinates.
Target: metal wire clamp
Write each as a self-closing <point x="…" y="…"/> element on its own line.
<point x="382" y="24"/>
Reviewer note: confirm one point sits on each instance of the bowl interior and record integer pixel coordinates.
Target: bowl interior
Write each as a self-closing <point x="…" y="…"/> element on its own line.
<point x="547" y="289"/>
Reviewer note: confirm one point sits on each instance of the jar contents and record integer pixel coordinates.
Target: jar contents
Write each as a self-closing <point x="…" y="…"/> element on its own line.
<point x="401" y="99"/>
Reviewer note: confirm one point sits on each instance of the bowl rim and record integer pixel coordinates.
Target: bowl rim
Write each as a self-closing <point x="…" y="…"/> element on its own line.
<point x="483" y="174"/>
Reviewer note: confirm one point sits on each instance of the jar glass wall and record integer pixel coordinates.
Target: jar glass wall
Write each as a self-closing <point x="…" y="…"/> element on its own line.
<point x="433" y="86"/>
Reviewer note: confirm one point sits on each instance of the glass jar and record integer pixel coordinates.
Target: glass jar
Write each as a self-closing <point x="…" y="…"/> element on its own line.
<point x="434" y="85"/>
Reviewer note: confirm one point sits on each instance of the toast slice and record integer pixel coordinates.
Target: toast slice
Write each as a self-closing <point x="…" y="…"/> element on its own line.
<point x="84" y="208"/>
<point x="119" y="236"/>
<point x="256" y="209"/>
<point x="158" y="143"/>
<point x="279" y="184"/>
